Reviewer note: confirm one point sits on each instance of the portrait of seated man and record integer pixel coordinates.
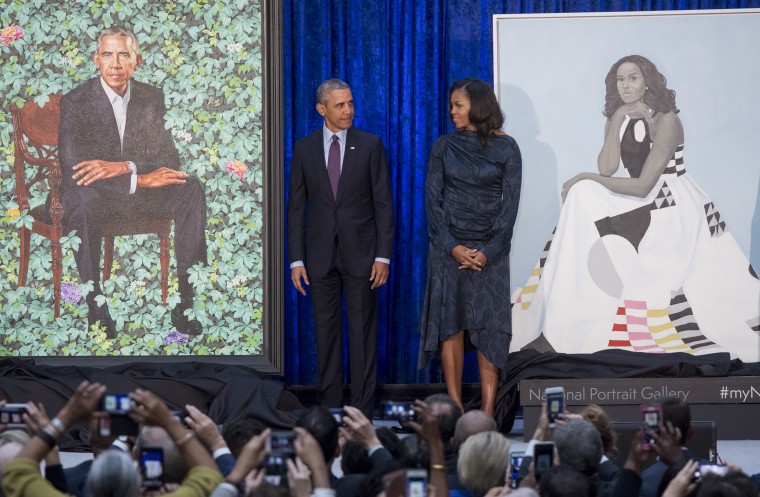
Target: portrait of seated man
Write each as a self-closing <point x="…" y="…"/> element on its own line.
<point x="119" y="162"/>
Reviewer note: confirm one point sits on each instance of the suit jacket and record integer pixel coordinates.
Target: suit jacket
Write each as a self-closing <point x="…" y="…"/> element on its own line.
<point x="88" y="131"/>
<point x="361" y="215"/>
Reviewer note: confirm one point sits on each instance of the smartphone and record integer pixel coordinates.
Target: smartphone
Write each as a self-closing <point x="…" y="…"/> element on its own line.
<point x="555" y="404"/>
<point x="118" y="422"/>
<point x="515" y="462"/>
<point x="651" y="417"/>
<point x="338" y="413"/>
<point x="399" y="411"/>
<point x="275" y="465"/>
<point x="116" y="403"/>
<point x="152" y="467"/>
<point x="281" y="443"/>
<point x="416" y="482"/>
<point x="11" y="416"/>
<point x="543" y="458"/>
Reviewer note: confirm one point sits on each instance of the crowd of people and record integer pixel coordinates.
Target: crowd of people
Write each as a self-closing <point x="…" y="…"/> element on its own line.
<point x="186" y="454"/>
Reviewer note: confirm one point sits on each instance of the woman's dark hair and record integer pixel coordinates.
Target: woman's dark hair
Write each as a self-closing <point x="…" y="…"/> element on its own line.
<point x="657" y="96"/>
<point x="733" y="484"/>
<point x="485" y="113"/>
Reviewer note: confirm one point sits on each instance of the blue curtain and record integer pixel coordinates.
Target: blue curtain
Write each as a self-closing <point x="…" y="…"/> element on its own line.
<point x="400" y="57"/>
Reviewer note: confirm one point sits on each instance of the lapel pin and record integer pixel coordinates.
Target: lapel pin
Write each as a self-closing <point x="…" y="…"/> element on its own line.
<point x="353" y="148"/>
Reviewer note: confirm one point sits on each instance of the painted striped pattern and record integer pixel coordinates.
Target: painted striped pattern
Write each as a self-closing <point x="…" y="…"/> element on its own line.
<point x="675" y="165"/>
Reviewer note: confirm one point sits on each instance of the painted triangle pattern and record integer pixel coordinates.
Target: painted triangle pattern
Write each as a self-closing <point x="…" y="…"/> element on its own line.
<point x="672" y="329"/>
<point x="714" y="222"/>
<point x="528" y="291"/>
<point x="664" y="198"/>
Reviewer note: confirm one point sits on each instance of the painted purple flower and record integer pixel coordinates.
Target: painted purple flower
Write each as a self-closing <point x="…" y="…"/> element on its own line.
<point x="70" y="293"/>
<point x="175" y="336"/>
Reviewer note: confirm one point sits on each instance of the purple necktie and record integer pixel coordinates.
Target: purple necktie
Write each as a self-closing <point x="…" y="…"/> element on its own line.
<point x="333" y="165"/>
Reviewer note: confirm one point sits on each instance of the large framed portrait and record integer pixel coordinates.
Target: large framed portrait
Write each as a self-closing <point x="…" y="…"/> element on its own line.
<point x="550" y="80"/>
<point x="219" y="66"/>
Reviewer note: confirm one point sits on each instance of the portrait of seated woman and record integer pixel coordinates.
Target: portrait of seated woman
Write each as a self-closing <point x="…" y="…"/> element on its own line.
<point x="641" y="258"/>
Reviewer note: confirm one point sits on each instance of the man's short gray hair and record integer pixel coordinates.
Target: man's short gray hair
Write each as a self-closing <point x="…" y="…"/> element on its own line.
<point x="483" y="462"/>
<point x="579" y="445"/>
<point x="113" y="474"/>
<point x="330" y="85"/>
<point x="132" y="43"/>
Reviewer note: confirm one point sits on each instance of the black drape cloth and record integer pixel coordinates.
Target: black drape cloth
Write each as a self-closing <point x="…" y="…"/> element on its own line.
<point x="530" y="364"/>
<point x="224" y="392"/>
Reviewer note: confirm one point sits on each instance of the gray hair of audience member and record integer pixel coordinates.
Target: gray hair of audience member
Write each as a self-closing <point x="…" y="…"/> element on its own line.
<point x="175" y="468"/>
<point x="113" y="474"/>
<point x="483" y="460"/>
<point x="447" y="412"/>
<point x="579" y="445"/>
<point x="471" y="423"/>
<point x="330" y="85"/>
<point x="14" y="436"/>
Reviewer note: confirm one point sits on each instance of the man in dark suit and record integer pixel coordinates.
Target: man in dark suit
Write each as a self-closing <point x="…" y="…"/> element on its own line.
<point x="119" y="161"/>
<point x="339" y="175"/>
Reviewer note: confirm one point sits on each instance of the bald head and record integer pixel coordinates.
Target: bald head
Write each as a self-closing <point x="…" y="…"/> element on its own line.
<point x="471" y="423"/>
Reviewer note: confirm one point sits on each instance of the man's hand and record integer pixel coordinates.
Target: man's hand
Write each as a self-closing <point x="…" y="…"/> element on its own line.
<point x="204" y="428"/>
<point x="358" y="428"/>
<point x="89" y="171"/>
<point x="162" y="176"/>
<point x="296" y="274"/>
<point x="379" y="275"/>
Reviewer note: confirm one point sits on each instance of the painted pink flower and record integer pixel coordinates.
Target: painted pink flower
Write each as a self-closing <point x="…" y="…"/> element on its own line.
<point x="237" y="168"/>
<point x="10" y="34"/>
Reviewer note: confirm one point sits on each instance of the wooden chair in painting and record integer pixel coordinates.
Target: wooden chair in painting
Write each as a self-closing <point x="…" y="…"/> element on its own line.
<point x="35" y="138"/>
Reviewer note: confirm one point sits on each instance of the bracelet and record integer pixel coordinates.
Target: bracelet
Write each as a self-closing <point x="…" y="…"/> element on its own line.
<point x="58" y="425"/>
<point x="46" y="437"/>
<point x="182" y="441"/>
<point x="438" y="466"/>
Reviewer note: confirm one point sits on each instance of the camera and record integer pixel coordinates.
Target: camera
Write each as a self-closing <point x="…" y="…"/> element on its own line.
<point x="543" y="458"/>
<point x="118" y="422"/>
<point x="152" y="467"/>
<point x="651" y="417"/>
<point x="338" y="413"/>
<point x="11" y="415"/>
<point x="416" y="482"/>
<point x="555" y="404"/>
<point x="515" y="463"/>
<point x="399" y="411"/>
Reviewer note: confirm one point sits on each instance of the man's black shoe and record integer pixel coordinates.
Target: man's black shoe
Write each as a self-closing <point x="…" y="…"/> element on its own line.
<point x="101" y="317"/>
<point x="184" y="325"/>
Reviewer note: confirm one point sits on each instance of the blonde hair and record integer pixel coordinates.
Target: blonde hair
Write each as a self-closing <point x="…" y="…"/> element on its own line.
<point x="603" y="424"/>
<point x="483" y="460"/>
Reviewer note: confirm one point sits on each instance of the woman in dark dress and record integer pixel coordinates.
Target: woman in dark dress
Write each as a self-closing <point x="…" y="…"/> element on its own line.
<point x="471" y="196"/>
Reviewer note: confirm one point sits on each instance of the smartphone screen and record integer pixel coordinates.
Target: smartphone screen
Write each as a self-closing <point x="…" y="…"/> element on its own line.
<point x="398" y="411"/>
<point x="651" y="417"/>
<point x="543" y="458"/>
<point x="11" y="416"/>
<point x="555" y="404"/>
<point x="281" y="442"/>
<point x="515" y="462"/>
<point x="416" y="483"/>
<point x="116" y="403"/>
<point x="152" y="467"/>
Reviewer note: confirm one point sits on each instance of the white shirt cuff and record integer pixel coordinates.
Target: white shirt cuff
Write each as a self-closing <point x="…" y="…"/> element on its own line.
<point x="296" y="264"/>
<point x="220" y="452"/>
<point x="323" y="492"/>
<point x="382" y="259"/>
<point x="133" y="180"/>
<point x="374" y="449"/>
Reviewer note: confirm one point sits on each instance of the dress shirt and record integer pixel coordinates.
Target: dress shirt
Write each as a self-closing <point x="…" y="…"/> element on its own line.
<point x="119" y="105"/>
<point x="327" y="135"/>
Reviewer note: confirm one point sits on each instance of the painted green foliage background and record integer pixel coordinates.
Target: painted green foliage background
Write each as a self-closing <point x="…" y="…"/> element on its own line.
<point x="206" y="56"/>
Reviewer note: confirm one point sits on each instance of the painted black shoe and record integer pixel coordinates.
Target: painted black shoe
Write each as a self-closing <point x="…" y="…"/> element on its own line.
<point x="185" y="325"/>
<point x="101" y="317"/>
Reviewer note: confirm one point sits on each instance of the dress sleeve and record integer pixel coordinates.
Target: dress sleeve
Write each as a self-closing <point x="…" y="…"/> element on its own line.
<point x="438" y="231"/>
<point x="510" y="191"/>
<point x="22" y="478"/>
